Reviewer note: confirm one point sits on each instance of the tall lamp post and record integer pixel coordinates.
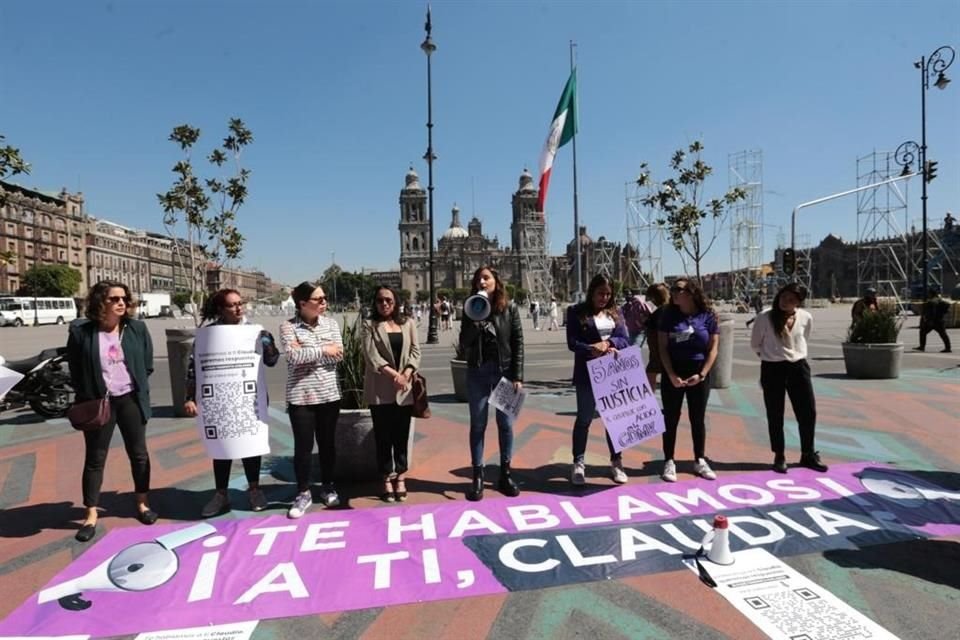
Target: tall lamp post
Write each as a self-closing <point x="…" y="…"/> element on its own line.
<point x="428" y="48"/>
<point x="935" y="64"/>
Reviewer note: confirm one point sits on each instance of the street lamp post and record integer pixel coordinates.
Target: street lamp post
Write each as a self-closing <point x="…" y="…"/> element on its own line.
<point x="936" y="63"/>
<point x="428" y="48"/>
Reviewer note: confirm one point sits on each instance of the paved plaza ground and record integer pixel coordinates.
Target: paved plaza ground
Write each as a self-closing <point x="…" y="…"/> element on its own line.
<point x="912" y="588"/>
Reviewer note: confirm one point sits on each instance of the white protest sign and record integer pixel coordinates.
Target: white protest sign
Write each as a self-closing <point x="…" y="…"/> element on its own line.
<point x="231" y="391"/>
<point x="8" y="380"/>
<point x="786" y="605"/>
<point x="507" y="399"/>
<point x="233" y="631"/>
<point x="625" y="401"/>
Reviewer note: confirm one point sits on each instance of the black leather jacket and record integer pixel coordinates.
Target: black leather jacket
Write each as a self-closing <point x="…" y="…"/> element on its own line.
<point x="509" y="332"/>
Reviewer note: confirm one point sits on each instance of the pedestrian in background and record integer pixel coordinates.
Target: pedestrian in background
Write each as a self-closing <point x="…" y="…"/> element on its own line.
<point x="493" y="349"/>
<point x="780" y="338"/>
<point x="688" y="337"/>
<point x="225" y="307"/>
<point x="111" y="356"/>
<point x="595" y="328"/>
<point x="313" y="347"/>
<point x="867" y="303"/>
<point x="933" y="318"/>
<point x="391" y="350"/>
<point x="657" y="295"/>
<point x="554" y="315"/>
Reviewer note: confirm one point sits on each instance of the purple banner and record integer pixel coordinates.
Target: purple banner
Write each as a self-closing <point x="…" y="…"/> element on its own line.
<point x="272" y="567"/>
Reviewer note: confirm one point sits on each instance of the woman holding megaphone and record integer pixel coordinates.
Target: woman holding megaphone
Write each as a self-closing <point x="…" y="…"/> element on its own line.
<point x="491" y="338"/>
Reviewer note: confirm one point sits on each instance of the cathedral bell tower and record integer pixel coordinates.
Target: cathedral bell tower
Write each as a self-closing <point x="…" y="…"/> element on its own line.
<point x="414" y="235"/>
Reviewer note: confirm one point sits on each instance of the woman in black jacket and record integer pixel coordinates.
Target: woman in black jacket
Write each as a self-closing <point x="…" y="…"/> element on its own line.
<point x="111" y="355"/>
<point x="493" y="349"/>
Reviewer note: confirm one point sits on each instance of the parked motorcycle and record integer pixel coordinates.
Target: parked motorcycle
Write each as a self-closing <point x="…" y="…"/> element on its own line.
<point x="45" y="385"/>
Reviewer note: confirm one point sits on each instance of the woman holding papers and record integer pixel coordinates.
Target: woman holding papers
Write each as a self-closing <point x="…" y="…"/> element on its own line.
<point x="111" y="356"/>
<point x="595" y="328"/>
<point x="392" y="353"/>
<point x="313" y="347"/>
<point x="493" y="348"/>
<point x="688" y="335"/>
<point x="225" y="307"/>
<point x="780" y="337"/>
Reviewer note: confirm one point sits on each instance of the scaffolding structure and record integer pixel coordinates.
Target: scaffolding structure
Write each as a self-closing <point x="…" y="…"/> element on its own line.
<point x="745" y="169"/>
<point x="603" y="257"/>
<point x="535" y="259"/>
<point x="803" y="263"/>
<point x="884" y="257"/>
<point x="644" y="251"/>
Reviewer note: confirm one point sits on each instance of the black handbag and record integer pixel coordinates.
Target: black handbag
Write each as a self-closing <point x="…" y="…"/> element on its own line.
<point x="90" y="415"/>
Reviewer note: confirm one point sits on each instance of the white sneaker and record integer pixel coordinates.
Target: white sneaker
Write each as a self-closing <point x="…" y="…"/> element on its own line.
<point x="669" y="471"/>
<point x="616" y="470"/>
<point x="300" y="505"/>
<point x="702" y="469"/>
<point x="578" y="477"/>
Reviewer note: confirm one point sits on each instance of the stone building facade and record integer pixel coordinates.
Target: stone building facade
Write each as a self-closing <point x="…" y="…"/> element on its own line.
<point x="40" y="228"/>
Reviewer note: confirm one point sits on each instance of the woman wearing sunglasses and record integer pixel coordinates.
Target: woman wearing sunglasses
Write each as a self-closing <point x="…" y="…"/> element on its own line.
<point x="111" y="355"/>
<point x="688" y="336"/>
<point x="313" y="346"/>
<point x="225" y="307"/>
<point x="392" y="353"/>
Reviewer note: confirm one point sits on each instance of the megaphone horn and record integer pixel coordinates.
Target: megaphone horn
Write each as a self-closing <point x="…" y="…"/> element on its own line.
<point x="477" y="307"/>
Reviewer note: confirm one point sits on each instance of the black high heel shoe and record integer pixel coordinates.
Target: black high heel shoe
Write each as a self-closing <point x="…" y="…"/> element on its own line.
<point x="400" y="494"/>
<point x="387" y="495"/>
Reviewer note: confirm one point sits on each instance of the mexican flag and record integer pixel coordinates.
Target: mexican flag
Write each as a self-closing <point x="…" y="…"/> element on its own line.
<point x="562" y="130"/>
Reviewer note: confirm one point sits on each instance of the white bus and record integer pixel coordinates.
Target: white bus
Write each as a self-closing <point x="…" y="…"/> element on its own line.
<point x="18" y="311"/>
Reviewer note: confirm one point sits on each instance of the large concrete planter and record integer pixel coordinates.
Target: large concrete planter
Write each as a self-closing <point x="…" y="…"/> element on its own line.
<point x="179" y="346"/>
<point x="722" y="373"/>
<point x="357" y="448"/>
<point x="458" y="370"/>
<point x="874" y="361"/>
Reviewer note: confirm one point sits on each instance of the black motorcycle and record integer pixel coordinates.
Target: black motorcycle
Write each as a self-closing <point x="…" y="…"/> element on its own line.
<point x="45" y="385"/>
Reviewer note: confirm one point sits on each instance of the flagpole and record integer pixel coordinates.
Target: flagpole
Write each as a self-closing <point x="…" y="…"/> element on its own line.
<point x="576" y="211"/>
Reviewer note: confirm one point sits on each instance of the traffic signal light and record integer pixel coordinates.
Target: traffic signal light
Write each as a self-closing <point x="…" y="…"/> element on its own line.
<point x="789" y="261"/>
<point x="930" y="170"/>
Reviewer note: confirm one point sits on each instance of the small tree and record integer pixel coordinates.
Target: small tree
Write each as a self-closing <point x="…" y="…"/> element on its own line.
<point x="206" y="208"/>
<point x="681" y="201"/>
<point x="11" y="163"/>
<point x="53" y="280"/>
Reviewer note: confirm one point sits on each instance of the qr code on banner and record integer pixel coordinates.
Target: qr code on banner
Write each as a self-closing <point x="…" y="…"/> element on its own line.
<point x="801" y="614"/>
<point x="233" y="405"/>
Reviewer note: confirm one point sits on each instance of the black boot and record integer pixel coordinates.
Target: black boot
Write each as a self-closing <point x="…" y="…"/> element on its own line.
<point x="475" y="492"/>
<point x="506" y="485"/>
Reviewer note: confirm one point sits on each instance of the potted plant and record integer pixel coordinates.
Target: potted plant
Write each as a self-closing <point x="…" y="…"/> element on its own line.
<point x="873" y="349"/>
<point x="356" y="446"/>
<point x="458" y="371"/>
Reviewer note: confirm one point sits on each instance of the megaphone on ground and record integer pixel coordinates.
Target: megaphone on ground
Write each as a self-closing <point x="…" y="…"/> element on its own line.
<point x="718" y="540"/>
<point x="477" y="307"/>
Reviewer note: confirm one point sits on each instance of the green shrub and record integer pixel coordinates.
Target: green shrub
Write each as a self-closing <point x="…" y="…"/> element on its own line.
<point x="351" y="369"/>
<point x="876" y="327"/>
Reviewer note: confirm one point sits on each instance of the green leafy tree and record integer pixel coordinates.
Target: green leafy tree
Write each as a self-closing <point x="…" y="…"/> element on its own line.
<point x="53" y="280"/>
<point x="181" y="299"/>
<point x="11" y="164"/>
<point x="206" y="208"/>
<point x="682" y="205"/>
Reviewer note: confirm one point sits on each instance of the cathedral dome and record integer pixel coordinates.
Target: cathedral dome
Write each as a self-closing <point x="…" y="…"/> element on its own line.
<point x="412" y="180"/>
<point x="455" y="231"/>
<point x="526" y="181"/>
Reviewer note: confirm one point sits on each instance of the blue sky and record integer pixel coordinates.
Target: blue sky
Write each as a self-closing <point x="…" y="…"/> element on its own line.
<point x="335" y="94"/>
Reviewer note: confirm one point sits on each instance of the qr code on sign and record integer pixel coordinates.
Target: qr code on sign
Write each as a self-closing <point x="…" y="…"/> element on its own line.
<point x="232" y="407"/>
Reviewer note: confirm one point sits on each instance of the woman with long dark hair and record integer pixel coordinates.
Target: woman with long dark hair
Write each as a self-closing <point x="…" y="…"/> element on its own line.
<point x="688" y="335"/>
<point x="494" y="350"/>
<point x="392" y="353"/>
<point x="225" y="307"/>
<point x="658" y="295"/>
<point x="111" y="356"/>
<point x="313" y="346"/>
<point x="595" y="328"/>
<point x="780" y="337"/>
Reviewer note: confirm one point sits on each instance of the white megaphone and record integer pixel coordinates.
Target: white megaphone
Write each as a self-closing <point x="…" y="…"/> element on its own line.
<point x="719" y="540"/>
<point x="139" y="567"/>
<point x="477" y="306"/>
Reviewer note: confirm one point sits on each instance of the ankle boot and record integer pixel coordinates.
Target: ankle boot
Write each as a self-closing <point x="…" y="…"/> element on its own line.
<point x="506" y="485"/>
<point x="475" y="492"/>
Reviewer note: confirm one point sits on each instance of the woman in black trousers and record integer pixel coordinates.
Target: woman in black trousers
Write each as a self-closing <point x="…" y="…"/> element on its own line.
<point x="780" y="337"/>
<point x="111" y="356"/>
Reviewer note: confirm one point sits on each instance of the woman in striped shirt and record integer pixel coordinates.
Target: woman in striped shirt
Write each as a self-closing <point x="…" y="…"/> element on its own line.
<point x="313" y="347"/>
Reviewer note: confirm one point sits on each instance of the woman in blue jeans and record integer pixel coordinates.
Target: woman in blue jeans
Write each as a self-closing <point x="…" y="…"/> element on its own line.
<point x="595" y="328"/>
<point x="494" y="350"/>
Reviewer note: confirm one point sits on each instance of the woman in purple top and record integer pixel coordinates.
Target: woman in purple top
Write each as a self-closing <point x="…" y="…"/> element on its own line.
<point x="595" y="328"/>
<point x="688" y="335"/>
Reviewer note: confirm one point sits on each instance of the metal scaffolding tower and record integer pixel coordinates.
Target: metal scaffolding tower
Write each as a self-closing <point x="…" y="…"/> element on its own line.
<point x="884" y="259"/>
<point x="644" y="250"/>
<point x="535" y="258"/>
<point x="603" y="257"/>
<point x="745" y="169"/>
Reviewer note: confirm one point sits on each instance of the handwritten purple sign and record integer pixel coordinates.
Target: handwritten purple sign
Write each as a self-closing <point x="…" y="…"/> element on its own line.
<point x="625" y="401"/>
